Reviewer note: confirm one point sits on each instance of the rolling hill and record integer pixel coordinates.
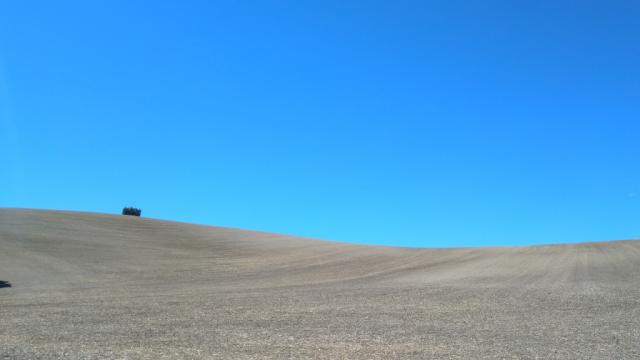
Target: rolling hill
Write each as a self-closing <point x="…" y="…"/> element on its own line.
<point x="94" y="286"/>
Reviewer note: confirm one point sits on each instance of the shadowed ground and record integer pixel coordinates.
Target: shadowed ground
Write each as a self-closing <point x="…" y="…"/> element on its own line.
<point x="94" y="286"/>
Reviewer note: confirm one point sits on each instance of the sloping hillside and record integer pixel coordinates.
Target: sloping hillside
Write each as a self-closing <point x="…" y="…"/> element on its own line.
<point x="89" y="285"/>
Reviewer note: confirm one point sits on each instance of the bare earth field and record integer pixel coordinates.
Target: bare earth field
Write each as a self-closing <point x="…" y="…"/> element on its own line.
<point x="95" y="286"/>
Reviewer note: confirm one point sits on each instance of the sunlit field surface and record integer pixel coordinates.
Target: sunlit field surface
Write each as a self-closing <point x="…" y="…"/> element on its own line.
<point x="94" y="286"/>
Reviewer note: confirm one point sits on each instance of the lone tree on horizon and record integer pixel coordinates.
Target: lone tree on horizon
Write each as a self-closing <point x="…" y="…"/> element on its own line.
<point x="131" y="211"/>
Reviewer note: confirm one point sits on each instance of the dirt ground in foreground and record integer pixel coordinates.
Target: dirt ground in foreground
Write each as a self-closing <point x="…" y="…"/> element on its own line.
<point x="96" y="286"/>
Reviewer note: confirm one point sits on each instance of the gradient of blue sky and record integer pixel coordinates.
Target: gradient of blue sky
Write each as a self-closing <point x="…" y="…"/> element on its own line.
<point x="418" y="123"/>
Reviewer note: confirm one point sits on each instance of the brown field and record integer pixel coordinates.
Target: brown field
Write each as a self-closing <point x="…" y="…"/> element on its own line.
<point x="96" y="286"/>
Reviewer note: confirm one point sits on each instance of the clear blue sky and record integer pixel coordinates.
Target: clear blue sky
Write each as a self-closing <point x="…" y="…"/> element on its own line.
<point x="417" y="123"/>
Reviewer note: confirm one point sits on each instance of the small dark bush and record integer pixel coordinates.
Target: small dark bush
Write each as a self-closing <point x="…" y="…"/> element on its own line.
<point x="131" y="211"/>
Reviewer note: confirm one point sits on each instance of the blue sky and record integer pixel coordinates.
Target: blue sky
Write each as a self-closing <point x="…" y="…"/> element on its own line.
<point x="414" y="123"/>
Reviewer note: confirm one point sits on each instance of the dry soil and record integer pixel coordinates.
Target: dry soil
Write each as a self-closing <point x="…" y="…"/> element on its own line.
<point x="96" y="286"/>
